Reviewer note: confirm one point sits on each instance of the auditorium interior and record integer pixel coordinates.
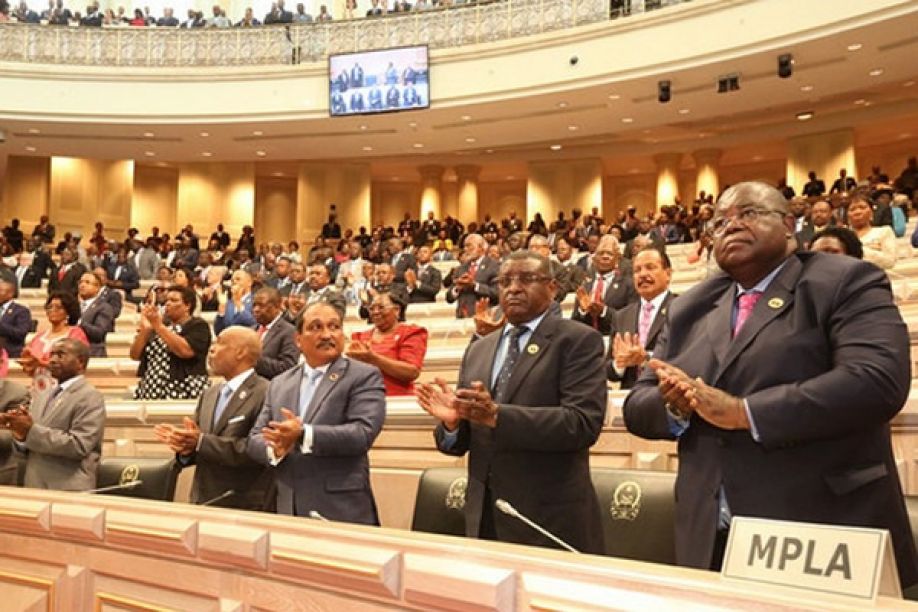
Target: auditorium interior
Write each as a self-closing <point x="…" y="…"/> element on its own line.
<point x="536" y="107"/>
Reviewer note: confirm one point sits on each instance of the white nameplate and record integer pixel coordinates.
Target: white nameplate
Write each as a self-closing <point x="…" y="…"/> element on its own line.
<point x="839" y="560"/>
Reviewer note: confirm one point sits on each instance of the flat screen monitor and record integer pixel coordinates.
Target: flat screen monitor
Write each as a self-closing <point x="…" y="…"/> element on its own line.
<point x="383" y="81"/>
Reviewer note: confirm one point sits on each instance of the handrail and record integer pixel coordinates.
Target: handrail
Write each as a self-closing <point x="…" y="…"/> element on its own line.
<point x="312" y="42"/>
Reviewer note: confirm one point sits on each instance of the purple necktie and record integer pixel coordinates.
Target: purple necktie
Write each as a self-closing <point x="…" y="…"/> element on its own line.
<point x="644" y="323"/>
<point x="747" y="302"/>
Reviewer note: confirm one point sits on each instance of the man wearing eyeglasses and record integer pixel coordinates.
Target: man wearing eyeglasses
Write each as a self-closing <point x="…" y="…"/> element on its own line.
<point x="528" y="407"/>
<point x="778" y="378"/>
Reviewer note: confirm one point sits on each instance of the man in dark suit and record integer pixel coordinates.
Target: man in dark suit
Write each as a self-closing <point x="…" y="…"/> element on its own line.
<point x="12" y="396"/>
<point x="424" y="284"/>
<point x="317" y="426"/>
<point x="110" y="296"/>
<point x="401" y="259"/>
<point x="559" y="272"/>
<point x="815" y="187"/>
<point x="44" y="231"/>
<point x="843" y="183"/>
<point x="820" y="218"/>
<point x="528" y="406"/>
<point x="96" y="316"/>
<point x="473" y="279"/>
<point x="123" y="275"/>
<point x="215" y="440"/>
<point x="221" y="236"/>
<point x="779" y="379"/>
<point x="39" y="268"/>
<point x="610" y="289"/>
<point x="638" y="325"/>
<point x="279" y="352"/>
<point x="321" y="291"/>
<point x="66" y="276"/>
<point x="15" y="320"/>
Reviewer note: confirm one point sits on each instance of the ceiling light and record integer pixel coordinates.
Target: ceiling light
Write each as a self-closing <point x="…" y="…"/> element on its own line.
<point x="868" y="103"/>
<point x="572" y="128"/>
<point x="627" y="120"/>
<point x="207" y="154"/>
<point x="756" y="158"/>
<point x="511" y="177"/>
<point x="149" y="153"/>
<point x="205" y="134"/>
<point x="805" y="116"/>
<point x="34" y="131"/>
<point x="258" y="133"/>
<point x="161" y="164"/>
<point x="412" y="124"/>
<point x="418" y="145"/>
<point x="904" y="135"/>
<point x="260" y="153"/>
<point x="633" y="171"/>
<point x="363" y="128"/>
<point x="555" y="147"/>
<point x="806" y="88"/>
<point x="31" y="149"/>
<point x="876" y="72"/>
<point x="489" y="151"/>
<point x="855" y="47"/>
<point x="149" y="134"/>
<point x="277" y="174"/>
<point x="684" y="111"/>
<point x="908" y="83"/>
<point x="614" y="97"/>
<point x="562" y="104"/>
<point x="367" y="148"/>
<point x="394" y="178"/>
<point x="470" y="140"/>
<point x="466" y="117"/>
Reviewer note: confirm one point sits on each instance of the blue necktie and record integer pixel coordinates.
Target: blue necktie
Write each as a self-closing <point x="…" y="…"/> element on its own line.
<point x="510" y="359"/>
<point x="308" y="388"/>
<point x="225" y="394"/>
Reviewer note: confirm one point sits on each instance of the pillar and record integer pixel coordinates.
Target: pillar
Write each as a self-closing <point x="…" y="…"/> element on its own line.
<point x="667" y="177"/>
<point x="431" y="182"/>
<point x="707" y="162"/>
<point x="467" y="192"/>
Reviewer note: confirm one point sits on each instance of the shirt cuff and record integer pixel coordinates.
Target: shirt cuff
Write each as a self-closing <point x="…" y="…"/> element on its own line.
<point x="306" y="446"/>
<point x="272" y="460"/>
<point x="619" y="371"/>
<point x="20" y="446"/>
<point x="677" y="427"/>
<point x="752" y="428"/>
<point x="449" y="438"/>
<point x="183" y="460"/>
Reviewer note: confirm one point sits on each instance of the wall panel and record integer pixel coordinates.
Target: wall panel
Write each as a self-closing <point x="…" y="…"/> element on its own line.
<point x="25" y="191"/>
<point x="155" y="199"/>
<point x="275" y="209"/>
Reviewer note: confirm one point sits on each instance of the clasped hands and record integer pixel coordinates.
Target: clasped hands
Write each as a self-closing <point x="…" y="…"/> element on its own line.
<point x="473" y="404"/>
<point x="18" y="420"/>
<point x="586" y="303"/>
<point x="627" y="350"/>
<point x="181" y="441"/>
<point x="283" y="435"/>
<point x="687" y="396"/>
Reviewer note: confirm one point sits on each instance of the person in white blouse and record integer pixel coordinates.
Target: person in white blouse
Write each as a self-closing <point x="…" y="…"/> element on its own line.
<point x="879" y="243"/>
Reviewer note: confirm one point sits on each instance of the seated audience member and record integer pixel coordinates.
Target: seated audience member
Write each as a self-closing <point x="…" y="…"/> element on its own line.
<point x="475" y="278"/>
<point x="610" y="289"/>
<point x="843" y="183"/>
<point x="110" y="296"/>
<point x="168" y="20"/>
<point x="294" y="306"/>
<point x="237" y="308"/>
<point x="820" y="218"/>
<point x="215" y="440"/>
<point x="539" y="244"/>
<point x="62" y="437"/>
<point x="96" y="316"/>
<point x="248" y="20"/>
<point x="423" y="285"/>
<point x="318" y="423"/>
<point x="279" y="352"/>
<point x="210" y="294"/>
<point x="323" y="15"/>
<point x="62" y="311"/>
<point x="123" y="275"/>
<point x="638" y="325"/>
<point x="879" y="243"/>
<point x="66" y="276"/>
<point x="321" y="291"/>
<point x="839" y="241"/>
<point x="183" y="278"/>
<point x="172" y="355"/>
<point x="397" y="349"/>
<point x="12" y="396"/>
<point x="15" y="320"/>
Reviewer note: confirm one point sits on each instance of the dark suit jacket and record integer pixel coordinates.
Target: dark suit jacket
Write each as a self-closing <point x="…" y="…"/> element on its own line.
<point x="346" y="414"/>
<point x="824" y="364"/>
<point x="15" y="325"/>
<point x="401" y="263"/>
<point x="538" y="456"/>
<point x="279" y="351"/>
<point x="619" y="293"/>
<point x="12" y="395"/>
<point x="113" y="298"/>
<point x="429" y="283"/>
<point x="96" y="321"/>
<point x="485" y="286"/>
<point x="71" y="279"/>
<point x="628" y="320"/>
<point x="129" y="278"/>
<point x="221" y="459"/>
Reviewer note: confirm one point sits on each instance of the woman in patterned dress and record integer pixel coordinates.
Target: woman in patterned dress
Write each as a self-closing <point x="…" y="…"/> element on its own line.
<point x="173" y="355"/>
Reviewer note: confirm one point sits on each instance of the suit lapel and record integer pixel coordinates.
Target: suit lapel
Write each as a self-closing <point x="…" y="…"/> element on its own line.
<point x="537" y="346"/>
<point x="334" y="373"/>
<point x="53" y="404"/>
<point x="657" y="324"/>
<point x="236" y="403"/>
<point x="718" y="325"/>
<point x="208" y="406"/>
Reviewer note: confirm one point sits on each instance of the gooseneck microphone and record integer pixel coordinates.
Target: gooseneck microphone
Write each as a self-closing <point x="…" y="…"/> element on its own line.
<point x="117" y="487"/>
<point x="222" y="496"/>
<point x="314" y="514"/>
<point x="508" y="509"/>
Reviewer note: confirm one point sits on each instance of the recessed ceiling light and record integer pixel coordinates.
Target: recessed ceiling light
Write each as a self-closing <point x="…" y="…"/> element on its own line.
<point x="904" y="135"/>
<point x="555" y="147"/>
<point x="855" y="47"/>
<point x="470" y="140"/>
<point x="34" y="131"/>
<point x="489" y="151"/>
<point x="277" y="174"/>
<point x="205" y="134"/>
<point x="510" y="177"/>
<point x="149" y="153"/>
<point x="367" y="148"/>
<point x="258" y="133"/>
<point x="149" y="134"/>
<point x="614" y="97"/>
<point x="868" y="103"/>
<point x="31" y="149"/>
<point x="418" y="145"/>
<point x="627" y="120"/>
<point x="562" y="104"/>
<point x="394" y="178"/>
<point x="161" y="164"/>
<point x="260" y="153"/>
<point x="207" y="154"/>
<point x="908" y="83"/>
<point x="684" y="111"/>
<point x="876" y="72"/>
<point x="363" y="128"/>
<point x="757" y="158"/>
<point x="859" y="101"/>
<point x="805" y="116"/>
<point x="412" y="124"/>
<point x="466" y="117"/>
<point x="633" y="171"/>
<point x="806" y="88"/>
<point x="573" y="128"/>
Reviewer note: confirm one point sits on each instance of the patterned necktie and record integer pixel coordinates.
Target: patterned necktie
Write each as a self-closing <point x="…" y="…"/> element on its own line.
<point x="473" y="269"/>
<point x="308" y="389"/>
<point x="225" y="394"/>
<point x="747" y="302"/>
<point x="599" y="288"/>
<point x="644" y="323"/>
<point x="510" y="359"/>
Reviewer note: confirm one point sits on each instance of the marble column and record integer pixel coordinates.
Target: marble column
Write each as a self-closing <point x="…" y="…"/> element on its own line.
<point x="707" y="163"/>
<point x="667" y="178"/>
<point x="431" y="182"/>
<point x="467" y="187"/>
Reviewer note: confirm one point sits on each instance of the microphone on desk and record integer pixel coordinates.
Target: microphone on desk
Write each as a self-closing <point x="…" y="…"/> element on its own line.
<point x="117" y="487"/>
<point x="508" y="509"/>
<point x="222" y="496"/>
<point x="313" y="514"/>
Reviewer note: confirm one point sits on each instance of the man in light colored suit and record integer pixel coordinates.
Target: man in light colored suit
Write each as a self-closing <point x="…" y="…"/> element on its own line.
<point x="96" y="316"/>
<point x="215" y="440"/>
<point x="279" y="352"/>
<point x="62" y="440"/>
<point x="238" y="309"/>
<point x="318" y="424"/>
<point x="146" y="261"/>
<point x="12" y="396"/>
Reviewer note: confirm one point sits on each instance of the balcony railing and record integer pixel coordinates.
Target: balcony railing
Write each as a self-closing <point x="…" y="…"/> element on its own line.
<point x="278" y="45"/>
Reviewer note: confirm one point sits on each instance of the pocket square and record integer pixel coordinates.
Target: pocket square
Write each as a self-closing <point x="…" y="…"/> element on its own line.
<point x="235" y="419"/>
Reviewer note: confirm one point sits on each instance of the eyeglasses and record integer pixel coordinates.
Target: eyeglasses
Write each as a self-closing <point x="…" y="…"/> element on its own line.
<point x="525" y="279"/>
<point x="746" y="216"/>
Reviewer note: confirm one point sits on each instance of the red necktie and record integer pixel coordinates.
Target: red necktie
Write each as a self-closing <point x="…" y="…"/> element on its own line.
<point x="473" y="269"/>
<point x="261" y="331"/>
<point x="599" y="289"/>
<point x="61" y="273"/>
<point x="747" y="302"/>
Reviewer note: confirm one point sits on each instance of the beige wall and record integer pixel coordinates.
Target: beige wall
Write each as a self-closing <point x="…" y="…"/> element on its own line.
<point x="275" y="210"/>
<point x="155" y="199"/>
<point x="321" y="184"/>
<point x="83" y="191"/>
<point x="825" y="153"/>
<point x="891" y="157"/>
<point x="561" y="186"/>
<point x="214" y="193"/>
<point x="390" y="201"/>
<point x="638" y="190"/>
<point x="498" y="199"/>
<point x="769" y="171"/>
<point x="25" y="192"/>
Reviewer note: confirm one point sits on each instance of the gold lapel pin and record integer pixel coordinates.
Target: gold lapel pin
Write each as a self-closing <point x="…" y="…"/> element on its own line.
<point x="334" y="376"/>
<point x="532" y="349"/>
<point x="242" y="395"/>
<point x="775" y="303"/>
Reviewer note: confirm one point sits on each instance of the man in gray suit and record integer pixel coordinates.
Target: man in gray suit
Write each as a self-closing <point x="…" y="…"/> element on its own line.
<point x="62" y="440"/>
<point x="96" y="317"/>
<point x="318" y="424"/>
<point x="12" y="396"/>
<point x="279" y="352"/>
<point x="215" y="441"/>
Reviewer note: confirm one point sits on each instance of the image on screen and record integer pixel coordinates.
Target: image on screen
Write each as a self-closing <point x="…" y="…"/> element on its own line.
<point x="382" y="81"/>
